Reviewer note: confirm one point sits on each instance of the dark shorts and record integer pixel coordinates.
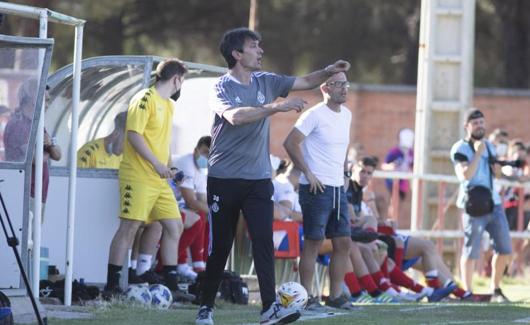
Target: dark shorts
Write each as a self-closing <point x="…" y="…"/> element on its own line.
<point x="495" y="224"/>
<point x="325" y="214"/>
<point x="407" y="264"/>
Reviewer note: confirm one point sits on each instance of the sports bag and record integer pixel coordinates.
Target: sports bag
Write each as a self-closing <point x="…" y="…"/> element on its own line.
<point x="479" y="201"/>
<point x="234" y="289"/>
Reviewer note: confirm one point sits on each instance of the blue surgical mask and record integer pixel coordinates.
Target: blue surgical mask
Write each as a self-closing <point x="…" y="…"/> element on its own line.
<point x="202" y="162"/>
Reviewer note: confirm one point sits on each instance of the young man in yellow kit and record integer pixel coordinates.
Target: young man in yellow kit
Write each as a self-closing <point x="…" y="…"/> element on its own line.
<point x="104" y="152"/>
<point x="145" y="194"/>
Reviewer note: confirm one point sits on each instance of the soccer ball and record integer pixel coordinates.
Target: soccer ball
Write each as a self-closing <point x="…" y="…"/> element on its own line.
<point x="292" y="295"/>
<point x="161" y="296"/>
<point x="139" y="293"/>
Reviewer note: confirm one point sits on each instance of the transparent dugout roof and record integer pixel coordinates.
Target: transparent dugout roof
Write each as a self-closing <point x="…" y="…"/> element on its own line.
<point x="107" y="85"/>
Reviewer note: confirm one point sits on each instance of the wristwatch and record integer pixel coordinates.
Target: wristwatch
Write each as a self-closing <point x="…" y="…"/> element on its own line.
<point x="347" y="173"/>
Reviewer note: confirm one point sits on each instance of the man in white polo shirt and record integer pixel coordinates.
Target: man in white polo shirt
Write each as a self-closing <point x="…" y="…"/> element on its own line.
<point x="318" y="146"/>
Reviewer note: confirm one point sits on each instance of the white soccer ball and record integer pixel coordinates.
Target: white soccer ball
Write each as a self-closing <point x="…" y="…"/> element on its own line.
<point x="160" y="296"/>
<point x="292" y="295"/>
<point x="139" y="294"/>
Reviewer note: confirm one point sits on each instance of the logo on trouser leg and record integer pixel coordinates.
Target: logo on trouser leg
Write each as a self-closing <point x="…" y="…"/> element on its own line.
<point x="215" y="206"/>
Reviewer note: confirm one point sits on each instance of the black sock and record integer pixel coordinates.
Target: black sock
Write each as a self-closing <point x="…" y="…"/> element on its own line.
<point x="113" y="275"/>
<point x="356" y="294"/>
<point x="170" y="276"/>
<point x="375" y="293"/>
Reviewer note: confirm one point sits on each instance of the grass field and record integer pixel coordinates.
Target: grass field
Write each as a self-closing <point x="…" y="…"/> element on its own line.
<point x="443" y="313"/>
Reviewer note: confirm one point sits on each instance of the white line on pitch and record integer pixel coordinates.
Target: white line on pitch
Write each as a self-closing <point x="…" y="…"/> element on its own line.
<point x="421" y="308"/>
<point x="523" y="320"/>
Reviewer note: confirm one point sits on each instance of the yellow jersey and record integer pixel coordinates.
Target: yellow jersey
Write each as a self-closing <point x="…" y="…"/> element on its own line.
<point x="93" y="155"/>
<point x="151" y="116"/>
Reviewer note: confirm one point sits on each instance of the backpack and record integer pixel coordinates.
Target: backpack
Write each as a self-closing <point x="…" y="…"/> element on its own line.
<point x="80" y="291"/>
<point x="6" y="315"/>
<point x="233" y="288"/>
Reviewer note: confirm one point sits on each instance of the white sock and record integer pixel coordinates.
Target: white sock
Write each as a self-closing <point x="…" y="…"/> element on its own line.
<point x="432" y="274"/>
<point x="199" y="265"/>
<point x="144" y="263"/>
<point x="133" y="264"/>
<point x="448" y="282"/>
<point x="427" y="291"/>
<point x="391" y="291"/>
<point x="183" y="267"/>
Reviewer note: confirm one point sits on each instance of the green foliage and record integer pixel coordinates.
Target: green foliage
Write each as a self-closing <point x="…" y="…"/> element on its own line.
<point x="379" y="37"/>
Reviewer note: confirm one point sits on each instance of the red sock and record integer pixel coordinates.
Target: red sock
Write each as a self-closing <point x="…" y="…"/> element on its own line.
<point x="352" y="283"/>
<point x="381" y="281"/>
<point x="188" y="236"/>
<point x="460" y="293"/>
<point x="197" y="246"/>
<point x="433" y="281"/>
<point x="367" y="282"/>
<point x="398" y="256"/>
<point x="398" y="277"/>
<point x="387" y="230"/>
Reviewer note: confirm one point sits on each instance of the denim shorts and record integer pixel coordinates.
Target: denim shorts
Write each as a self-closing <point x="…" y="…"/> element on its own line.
<point x="495" y="224"/>
<point x="325" y="214"/>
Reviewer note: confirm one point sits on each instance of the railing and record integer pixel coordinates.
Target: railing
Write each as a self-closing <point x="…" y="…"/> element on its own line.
<point x="443" y="180"/>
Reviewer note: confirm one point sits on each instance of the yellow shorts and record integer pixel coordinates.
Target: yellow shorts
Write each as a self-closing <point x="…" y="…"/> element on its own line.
<point x="147" y="203"/>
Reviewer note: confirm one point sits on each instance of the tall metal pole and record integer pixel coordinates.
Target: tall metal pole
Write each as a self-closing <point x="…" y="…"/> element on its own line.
<point x="37" y="213"/>
<point x="253" y="20"/>
<point x="70" y="227"/>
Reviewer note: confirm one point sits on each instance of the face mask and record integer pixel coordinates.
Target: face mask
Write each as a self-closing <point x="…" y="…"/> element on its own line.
<point x="202" y="162"/>
<point x="406" y="138"/>
<point x="502" y="149"/>
<point x="176" y="95"/>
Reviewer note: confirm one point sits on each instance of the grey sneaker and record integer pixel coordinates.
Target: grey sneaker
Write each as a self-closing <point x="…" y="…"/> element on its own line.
<point x="313" y="304"/>
<point x="341" y="302"/>
<point x="499" y="297"/>
<point x="204" y="316"/>
<point x="277" y="314"/>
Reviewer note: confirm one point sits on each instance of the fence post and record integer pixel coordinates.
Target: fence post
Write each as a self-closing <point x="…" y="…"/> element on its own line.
<point x="395" y="202"/>
<point x="441" y="214"/>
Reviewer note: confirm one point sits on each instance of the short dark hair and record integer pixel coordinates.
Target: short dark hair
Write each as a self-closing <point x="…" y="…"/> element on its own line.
<point x="234" y="39"/>
<point x="368" y="161"/>
<point x="517" y="143"/>
<point x="168" y="68"/>
<point x="120" y="121"/>
<point x="472" y="114"/>
<point x="204" y="141"/>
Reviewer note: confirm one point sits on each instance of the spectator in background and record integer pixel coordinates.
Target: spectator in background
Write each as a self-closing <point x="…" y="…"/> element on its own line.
<point x="286" y="205"/>
<point x="193" y="191"/>
<point x="318" y="146"/>
<point x="518" y="171"/>
<point x="472" y="157"/>
<point x="17" y="133"/>
<point x="499" y="138"/>
<point x="104" y="152"/>
<point x="400" y="158"/>
<point x="4" y="118"/>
